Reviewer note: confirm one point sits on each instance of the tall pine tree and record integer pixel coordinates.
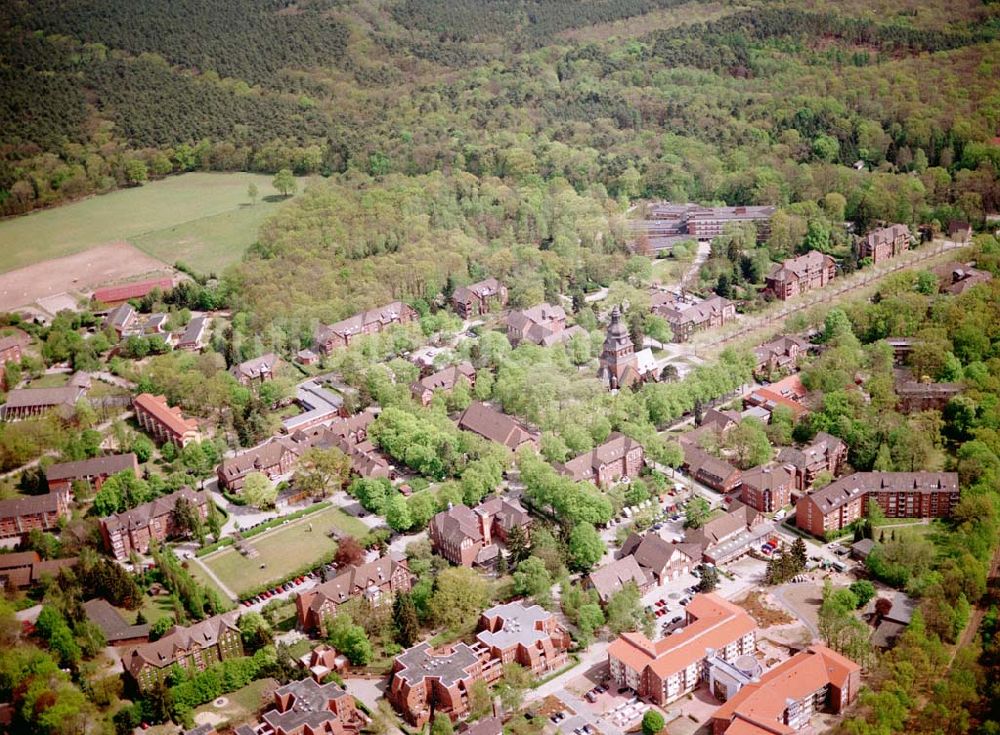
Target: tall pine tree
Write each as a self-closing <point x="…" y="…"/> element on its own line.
<point x="404" y="617"/>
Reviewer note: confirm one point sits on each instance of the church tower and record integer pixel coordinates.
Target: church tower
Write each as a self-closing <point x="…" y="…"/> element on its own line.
<point x="618" y="359"/>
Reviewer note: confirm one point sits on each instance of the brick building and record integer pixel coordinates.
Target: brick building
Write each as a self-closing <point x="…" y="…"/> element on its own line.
<point x="258" y="370"/>
<point x="825" y="453"/>
<point x="26" y="513"/>
<point x="619" y="362"/>
<point x="661" y="560"/>
<point x="164" y="423"/>
<point x="94" y="471"/>
<point x="307" y="707"/>
<point x="444" y="380"/>
<point x="275" y="457"/>
<point x="915" y="395"/>
<point x="709" y="470"/>
<point x="22" y="569"/>
<point x="784" y="699"/>
<point x="611" y="578"/>
<point x="132" y="530"/>
<point x="479" y="298"/>
<point x="767" y="488"/>
<point x="376" y="581"/>
<point x="116" y="631"/>
<point x="543" y="325"/>
<point x="779" y="355"/>
<point x="885" y="243"/>
<point x="620" y="456"/>
<point x="11" y="350"/>
<point x="899" y="494"/>
<point x="729" y="536"/>
<point x="330" y="337"/>
<point x="799" y="275"/>
<point x="424" y="681"/>
<point x="665" y="670"/>
<point x="195" y="648"/>
<point x="667" y="223"/>
<point x="688" y="315"/>
<point x="482" y="419"/>
<point x="467" y="536"/>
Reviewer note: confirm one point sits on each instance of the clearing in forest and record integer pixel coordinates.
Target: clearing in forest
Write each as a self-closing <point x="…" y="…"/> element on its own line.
<point x="204" y="219"/>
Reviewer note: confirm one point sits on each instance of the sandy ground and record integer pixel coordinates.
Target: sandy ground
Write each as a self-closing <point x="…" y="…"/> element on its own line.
<point x="81" y="272"/>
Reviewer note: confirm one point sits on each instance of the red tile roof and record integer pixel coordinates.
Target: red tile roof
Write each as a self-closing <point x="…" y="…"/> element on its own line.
<point x="172" y="418"/>
<point x="128" y="291"/>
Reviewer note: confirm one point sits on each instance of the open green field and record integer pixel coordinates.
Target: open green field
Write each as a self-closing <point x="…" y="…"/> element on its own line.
<point x="203" y="219"/>
<point x="282" y="550"/>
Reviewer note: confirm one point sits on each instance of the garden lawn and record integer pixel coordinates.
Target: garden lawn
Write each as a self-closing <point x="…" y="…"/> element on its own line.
<point x="153" y="608"/>
<point x="282" y="550"/>
<point x="203" y="219"/>
<point x="240" y="705"/>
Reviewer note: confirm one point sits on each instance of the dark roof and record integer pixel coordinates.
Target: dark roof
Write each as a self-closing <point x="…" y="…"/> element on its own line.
<point x="107" y="465"/>
<point x="255" y="368"/>
<point x="457" y="523"/>
<point x="767" y="477"/>
<point x="847" y="488"/>
<point x="610" y="578"/>
<point x="263" y="455"/>
<point x="354" y="580"/>
<point x="29" y="505"/>
<point x="309" y="706"/>
<point x="585" y="466"/>
<point x="193" y="331"/>
<point x="485" y="726"/>
<point x="102" y="614"/>
<point x="494" y="425"/>
<point x="163" y="652"/>
<point x="142" y="515"/>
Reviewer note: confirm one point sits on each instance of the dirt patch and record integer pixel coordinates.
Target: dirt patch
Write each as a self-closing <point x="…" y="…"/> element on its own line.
<point x="765" y="615"/>
<point x="76" y="273"/>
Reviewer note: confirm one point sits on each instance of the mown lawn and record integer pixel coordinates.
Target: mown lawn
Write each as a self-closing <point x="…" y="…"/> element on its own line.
<point x="282" y="550"/>
<point x="204" y="219"/>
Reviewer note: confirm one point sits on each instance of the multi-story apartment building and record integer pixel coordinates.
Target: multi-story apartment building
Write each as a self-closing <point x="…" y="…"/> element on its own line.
<point x="195" y="648"/>
<point x="479" y="298"/>
<point x="444" y="380"/>
<point x="376" y="581"/>
<point x="620" y="456"/>
<point x="825" y="453"/>
<point x="134" y="529"/>
<point x="468" y="537"/>
<point x="275" y="457"/>
<point x="709" y="470"/>
<point x="165" y="424"/>
<point x="767" y="488"/>
<point x="544" y="325"/>
<point x="20" y="515"/>
<point x="784" y="699"/>
<point x="885" y="243"/>
<point x="688" y="315"/>
<point x="425" y="681"/>
<point x="307" y="707"/>
<point x="258" y="370"/>
<point x="899" y="495"/>
<point x="798" y="275"/>
<point x="667" y="669"/>
<point x="330" y="337"/>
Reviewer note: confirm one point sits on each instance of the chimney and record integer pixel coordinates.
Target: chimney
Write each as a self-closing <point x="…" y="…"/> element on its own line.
<point x="486" y="527"/>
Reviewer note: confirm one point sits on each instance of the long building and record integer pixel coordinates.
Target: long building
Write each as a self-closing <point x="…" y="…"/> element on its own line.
<point x="373" y="321"/>
<point x="94" y="471"/>
<point x="665" y="670"/>
<point x="425" y="681"/>
<point x="27" y="513"/>
<point x="898" y="494"/>
<point x="307" y="707"/>
<point x="825" y="453"/>
<point x="783" y="700"/>
<point x="620" y="456"/>
<point x="165" y="424"/>
<point x="688" y="315"/>
<point x="668" y="224"/>
<point x="194" y="648"/>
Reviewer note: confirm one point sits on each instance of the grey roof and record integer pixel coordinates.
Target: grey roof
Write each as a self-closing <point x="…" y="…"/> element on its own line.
<point x="520" y="624"/>
<point x="652" y="551"/>
<point x="109" y="465"/>
<point x="457" y="523"/>
<point x="450" y="667"/>
<point x="795" y="268"/>
<point x="819" y="448"/>
<point x="142" y="515"/>
<point x="486" y="421"/>
<point x="29" y="505"/>
<point x="585" y="465"/>
<point x="102" y="614"/>
<point x="767" y="477"/>
<point x="354" y="580"/>
<point x="163" y="652"/>
<point x="193" y="332"/>
<point x="309" y="706"/>
<point x="388" y="314"/>
<point x="255" y="368"/>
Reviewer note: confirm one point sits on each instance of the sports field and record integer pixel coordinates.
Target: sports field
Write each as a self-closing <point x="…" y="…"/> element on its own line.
<point x="203" y="219"/>
<point x="282" y="550"/>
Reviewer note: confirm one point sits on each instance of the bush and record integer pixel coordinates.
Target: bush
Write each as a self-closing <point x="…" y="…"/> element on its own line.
<point x="652" y="722"/>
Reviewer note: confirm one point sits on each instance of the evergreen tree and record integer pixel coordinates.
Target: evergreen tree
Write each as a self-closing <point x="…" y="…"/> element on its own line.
<point x="799" y="554"/>
<point x="404" y="617"/>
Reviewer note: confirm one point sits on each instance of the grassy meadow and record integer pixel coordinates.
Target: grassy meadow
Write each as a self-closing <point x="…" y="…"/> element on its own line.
<point x="203" y="219"/>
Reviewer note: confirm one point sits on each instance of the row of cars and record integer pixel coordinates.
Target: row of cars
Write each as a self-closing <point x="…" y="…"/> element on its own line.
<point x="279" y="589"/>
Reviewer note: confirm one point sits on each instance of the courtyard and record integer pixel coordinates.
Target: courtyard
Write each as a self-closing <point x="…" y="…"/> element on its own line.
<point x="282" y="550"/>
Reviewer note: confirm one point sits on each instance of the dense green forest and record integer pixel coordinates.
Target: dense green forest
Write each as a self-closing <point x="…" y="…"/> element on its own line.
<point x="768" y="103"/>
